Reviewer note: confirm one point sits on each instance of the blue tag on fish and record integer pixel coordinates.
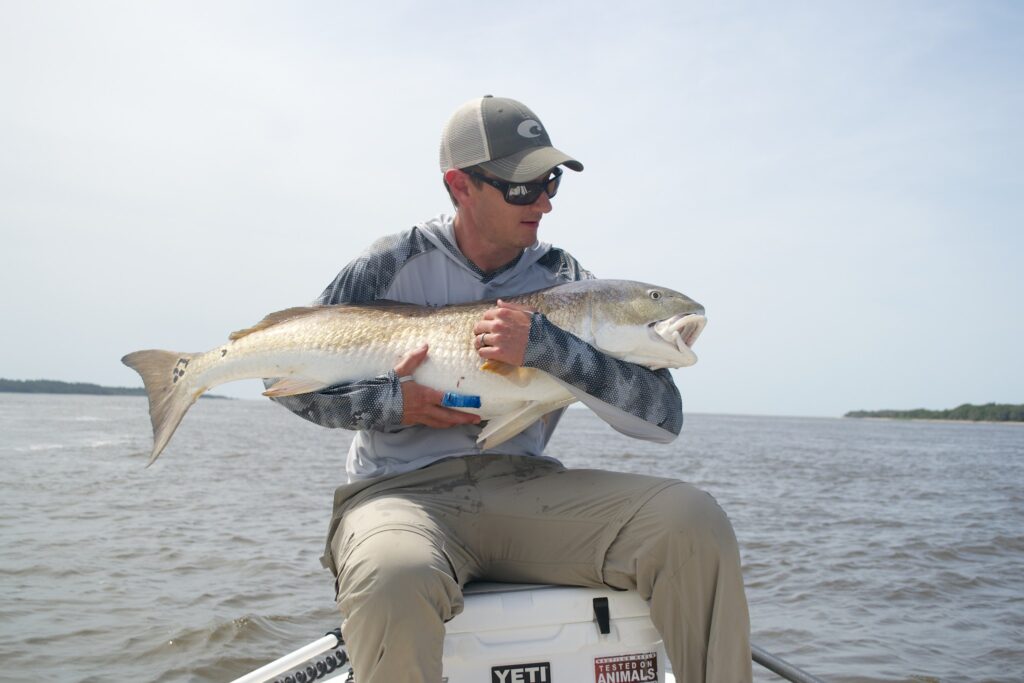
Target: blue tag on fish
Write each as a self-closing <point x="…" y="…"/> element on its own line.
<point x="453" y="400"/>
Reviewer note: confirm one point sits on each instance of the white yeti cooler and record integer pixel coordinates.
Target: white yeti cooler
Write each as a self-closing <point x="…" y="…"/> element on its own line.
<point x="552" y="634"/>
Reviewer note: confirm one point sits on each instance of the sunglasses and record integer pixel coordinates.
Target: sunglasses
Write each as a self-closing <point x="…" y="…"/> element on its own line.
<point x="522" y="193"/>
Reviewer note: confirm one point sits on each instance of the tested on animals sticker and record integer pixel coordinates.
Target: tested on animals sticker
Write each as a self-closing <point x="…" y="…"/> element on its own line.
<point x="637" y="668"/>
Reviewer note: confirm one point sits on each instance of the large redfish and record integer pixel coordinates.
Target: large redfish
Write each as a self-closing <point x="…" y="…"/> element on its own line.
<point x="316" y="347"/>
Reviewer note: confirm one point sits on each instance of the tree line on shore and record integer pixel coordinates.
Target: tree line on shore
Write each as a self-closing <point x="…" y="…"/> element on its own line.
<point x="989" y="412"/>
<point x="53" y="386"/>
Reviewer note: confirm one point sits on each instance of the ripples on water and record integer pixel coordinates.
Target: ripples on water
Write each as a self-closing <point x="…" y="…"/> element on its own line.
<point x="873" y="550"/>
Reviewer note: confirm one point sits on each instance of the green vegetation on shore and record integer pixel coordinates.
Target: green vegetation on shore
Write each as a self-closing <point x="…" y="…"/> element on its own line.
<point x="990" y="412"/>
<point x="52" y="386"/>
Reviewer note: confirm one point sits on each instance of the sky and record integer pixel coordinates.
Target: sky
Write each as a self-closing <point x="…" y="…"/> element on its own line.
<point x="840" y="184"/>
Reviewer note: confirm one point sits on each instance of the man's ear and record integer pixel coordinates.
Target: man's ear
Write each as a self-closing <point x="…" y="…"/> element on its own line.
<point x="458" y="184"/>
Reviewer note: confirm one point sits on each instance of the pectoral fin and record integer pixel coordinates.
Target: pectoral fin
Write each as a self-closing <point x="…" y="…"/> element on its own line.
<point x="518" y="376"/>
<point x="501" y="429"/>
<point x="290" y="386"/>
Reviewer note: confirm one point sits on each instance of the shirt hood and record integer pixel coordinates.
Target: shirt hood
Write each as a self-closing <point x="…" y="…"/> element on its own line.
<point x="441" y="232"/>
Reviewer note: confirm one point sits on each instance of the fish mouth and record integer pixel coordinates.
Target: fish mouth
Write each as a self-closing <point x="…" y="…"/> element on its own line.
<point x="682" y="331"/>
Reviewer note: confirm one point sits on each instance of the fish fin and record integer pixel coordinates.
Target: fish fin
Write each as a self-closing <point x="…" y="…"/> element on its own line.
<point x="497" y="366"/>
<point x="518" y="376"/>
<point x="274" y="319"/>
<point x="501" y="429"/>
<point x="170" y="394"/>
<point x="290" y="386"/>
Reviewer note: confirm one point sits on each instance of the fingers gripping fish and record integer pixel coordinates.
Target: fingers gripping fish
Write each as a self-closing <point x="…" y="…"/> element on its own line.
<point x="315" y="347"/>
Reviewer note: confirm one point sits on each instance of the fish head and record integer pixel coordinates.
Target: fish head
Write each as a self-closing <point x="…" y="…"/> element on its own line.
<point x="646" y="324"/>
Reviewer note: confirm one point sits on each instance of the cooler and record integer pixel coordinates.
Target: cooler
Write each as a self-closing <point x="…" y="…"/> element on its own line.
<point x="552" y="634"/>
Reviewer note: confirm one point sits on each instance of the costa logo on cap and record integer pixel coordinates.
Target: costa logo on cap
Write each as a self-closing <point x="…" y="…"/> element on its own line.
<point x="530" y="129"/>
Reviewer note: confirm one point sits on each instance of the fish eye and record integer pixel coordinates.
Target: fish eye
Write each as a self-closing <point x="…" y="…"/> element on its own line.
<point x="655" y="294"/>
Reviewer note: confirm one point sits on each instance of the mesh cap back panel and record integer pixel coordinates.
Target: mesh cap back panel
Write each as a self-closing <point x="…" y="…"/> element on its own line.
<point x="466" y="130"/>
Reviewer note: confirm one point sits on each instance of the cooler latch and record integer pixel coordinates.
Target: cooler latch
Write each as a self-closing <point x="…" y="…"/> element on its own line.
<point x="604" y="620"/>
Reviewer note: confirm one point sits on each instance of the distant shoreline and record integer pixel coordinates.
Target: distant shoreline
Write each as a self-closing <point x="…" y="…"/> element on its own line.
<point x="946" y="421"/>
<point x="53" y="386"/>
<point x="968" y="412"/>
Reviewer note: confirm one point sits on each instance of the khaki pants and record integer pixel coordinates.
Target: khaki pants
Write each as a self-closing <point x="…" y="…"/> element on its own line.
<point x="403" y="548"/>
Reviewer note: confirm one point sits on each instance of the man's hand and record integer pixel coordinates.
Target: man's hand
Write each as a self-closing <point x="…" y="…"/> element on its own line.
<point x="503" y="332"/>
<point x="422" y="405"/>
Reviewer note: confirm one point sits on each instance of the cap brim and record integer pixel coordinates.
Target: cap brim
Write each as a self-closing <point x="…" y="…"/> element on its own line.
<point x="530" y="164"/>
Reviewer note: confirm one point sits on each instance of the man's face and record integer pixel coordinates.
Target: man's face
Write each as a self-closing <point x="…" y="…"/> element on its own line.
<point x="504" y="225"/>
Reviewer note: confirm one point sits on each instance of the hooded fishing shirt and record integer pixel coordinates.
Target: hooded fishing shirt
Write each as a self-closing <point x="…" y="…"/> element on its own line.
<point x="424" y="266"/>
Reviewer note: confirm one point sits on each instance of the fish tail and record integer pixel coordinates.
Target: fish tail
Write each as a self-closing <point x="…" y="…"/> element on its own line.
<point x="165" y="375"/>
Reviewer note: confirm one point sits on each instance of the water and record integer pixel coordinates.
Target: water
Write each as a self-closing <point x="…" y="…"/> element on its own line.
<point x="873" y="550"/>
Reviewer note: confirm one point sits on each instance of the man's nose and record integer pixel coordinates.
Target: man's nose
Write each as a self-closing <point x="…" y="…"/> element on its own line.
<point x="543" y="203"/>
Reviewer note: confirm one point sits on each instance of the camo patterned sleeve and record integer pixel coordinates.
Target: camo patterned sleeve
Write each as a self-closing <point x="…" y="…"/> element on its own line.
<point x="374" y="403"/>
<point x="634" y="400"/>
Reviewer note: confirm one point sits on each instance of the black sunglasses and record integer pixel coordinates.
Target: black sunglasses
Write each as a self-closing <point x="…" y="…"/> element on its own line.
<point x="522" y="193"/>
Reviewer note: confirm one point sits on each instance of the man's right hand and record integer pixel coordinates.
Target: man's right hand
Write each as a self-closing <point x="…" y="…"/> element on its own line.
<point x="421" y="405"/>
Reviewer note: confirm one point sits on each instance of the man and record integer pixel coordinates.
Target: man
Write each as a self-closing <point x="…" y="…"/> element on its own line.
<point x="425" y="511"/>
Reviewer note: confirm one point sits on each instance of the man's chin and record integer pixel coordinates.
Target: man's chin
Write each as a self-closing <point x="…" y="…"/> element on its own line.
<point x="528" y="237"/>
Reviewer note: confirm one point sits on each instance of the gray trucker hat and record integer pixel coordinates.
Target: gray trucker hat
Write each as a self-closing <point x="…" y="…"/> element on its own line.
<point x="503" y="137"/>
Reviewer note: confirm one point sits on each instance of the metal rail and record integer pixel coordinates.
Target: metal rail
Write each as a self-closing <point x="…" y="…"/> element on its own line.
<point x="776" y="665"/>
<point x="781" y="667"/>
<point x="292" y="659"/>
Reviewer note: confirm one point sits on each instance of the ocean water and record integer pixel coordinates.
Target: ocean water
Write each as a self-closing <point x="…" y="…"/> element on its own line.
<point x="873" y="550"/>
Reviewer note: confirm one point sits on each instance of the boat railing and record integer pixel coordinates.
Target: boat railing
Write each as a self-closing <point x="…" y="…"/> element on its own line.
<point x="309" y="663"/>
<point x="309" y="660"/>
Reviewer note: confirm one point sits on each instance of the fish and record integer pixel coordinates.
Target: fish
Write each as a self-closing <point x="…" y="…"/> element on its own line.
<point x="307" y="349"/>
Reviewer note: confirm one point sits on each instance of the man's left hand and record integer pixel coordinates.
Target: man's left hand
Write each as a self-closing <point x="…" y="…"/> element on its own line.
<point x="503" y="332"/>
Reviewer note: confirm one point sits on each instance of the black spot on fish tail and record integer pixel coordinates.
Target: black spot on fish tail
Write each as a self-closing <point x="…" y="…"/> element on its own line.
<point x="179" y="369"/>
<point x="223" y="352"/>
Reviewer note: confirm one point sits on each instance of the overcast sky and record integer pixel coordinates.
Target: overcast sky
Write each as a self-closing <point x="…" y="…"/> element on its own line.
<point x="840" y="184"/>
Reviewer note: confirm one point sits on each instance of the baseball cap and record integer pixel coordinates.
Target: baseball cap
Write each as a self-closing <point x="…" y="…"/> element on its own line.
<point x="503" y="137"/>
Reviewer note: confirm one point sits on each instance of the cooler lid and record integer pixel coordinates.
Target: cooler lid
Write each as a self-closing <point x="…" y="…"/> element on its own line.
<point x="496" y="607"/>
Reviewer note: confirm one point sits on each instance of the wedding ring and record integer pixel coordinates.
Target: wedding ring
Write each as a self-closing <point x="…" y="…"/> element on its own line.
<point x="405" y="378"/>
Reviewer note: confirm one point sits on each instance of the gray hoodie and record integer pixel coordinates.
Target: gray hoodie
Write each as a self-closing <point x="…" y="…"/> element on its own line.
<point x="424" y="266"/>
